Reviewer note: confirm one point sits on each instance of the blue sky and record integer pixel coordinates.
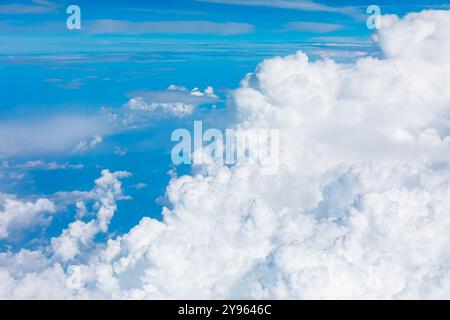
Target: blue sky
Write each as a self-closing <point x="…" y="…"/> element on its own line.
<point x="58" y="87"/>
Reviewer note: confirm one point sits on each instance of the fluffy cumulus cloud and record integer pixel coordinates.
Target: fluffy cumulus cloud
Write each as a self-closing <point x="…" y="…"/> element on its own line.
<point x="359" y="207"/>
<point x="176" y="101"/>
<point x="17" y="215"/>
<point x="38" y="273"/>
<point x="79" y="233"/>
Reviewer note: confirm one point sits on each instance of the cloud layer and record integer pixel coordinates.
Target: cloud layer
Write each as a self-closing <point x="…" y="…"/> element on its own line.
<point x="359" y="207"/>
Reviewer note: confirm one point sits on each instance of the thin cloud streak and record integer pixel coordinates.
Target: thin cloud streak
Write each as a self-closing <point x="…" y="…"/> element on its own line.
<point x="314" y="27"/>
<point x="301" y="5"/>
<point x="166" y="27"/>
<point x="34" y="7"/>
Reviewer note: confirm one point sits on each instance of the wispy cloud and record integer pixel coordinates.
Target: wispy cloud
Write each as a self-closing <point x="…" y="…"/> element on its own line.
<point x="314" y="27"/>
<point x="51" y="134"/>
<point x="166" y="27"/>
<point x="344" y="41"/>
<point x="32" y="7"/>
<point x="72" y="84"/>
<point x="302" y="5"/>
<point x="168" y="12"/>
<point x="86" y="145"/>
<point x="126" y="27"/>
<point x="43" y="165"/>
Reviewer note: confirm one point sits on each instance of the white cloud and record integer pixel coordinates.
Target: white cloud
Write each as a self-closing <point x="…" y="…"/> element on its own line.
<point x="86" y="145"/>
<point x="42" y="273"/>
<point x="208" y="92"/>
<point x="108" y="189"/>
<point x="174" y="87"/>
<point x="173" y="108"/>
<point x="16" y="215"/>
<point x="120" y="152"/>
<point x="175" y="101"/>
<point x="79" y="134"/>
<point x="359" y="207"/>
<point x="140" y="186"/>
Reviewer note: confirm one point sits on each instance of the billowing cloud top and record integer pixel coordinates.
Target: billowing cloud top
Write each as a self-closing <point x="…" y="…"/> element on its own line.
<point x="359" y="207"/>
